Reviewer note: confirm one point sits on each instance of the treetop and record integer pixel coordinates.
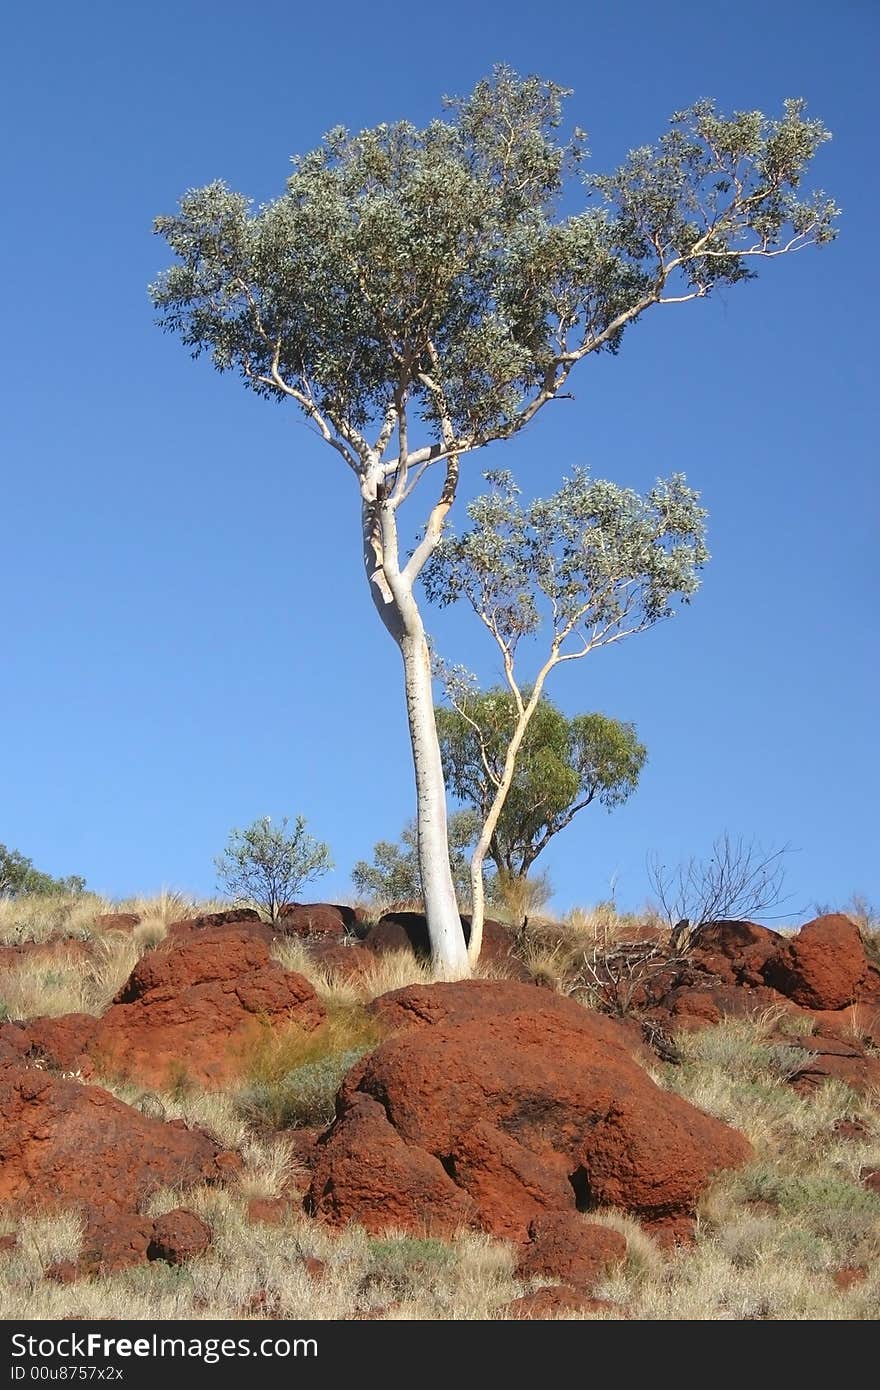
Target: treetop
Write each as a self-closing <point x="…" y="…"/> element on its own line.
<point x="430" y="270"/>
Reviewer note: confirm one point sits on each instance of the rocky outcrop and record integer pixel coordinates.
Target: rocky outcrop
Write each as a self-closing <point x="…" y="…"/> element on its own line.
<point x="65" y="1145"/>
<point x="497" y="1103"/>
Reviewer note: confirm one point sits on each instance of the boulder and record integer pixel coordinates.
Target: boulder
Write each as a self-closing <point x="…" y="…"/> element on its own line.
<point x="825" y="966"/>
<point x="497" y="1102"/>
<point x="331" y="922"/>
<point x="408" y="931"/>
<point x="65" y="1145"/>
<point x="375" y="1178"/>
<point x="734" y="951"/>
<point x="192" y="1009"/>
<point x="177" y="1236"/>
<point x="562" y="1245"/>
<point x="560" y="1301"/>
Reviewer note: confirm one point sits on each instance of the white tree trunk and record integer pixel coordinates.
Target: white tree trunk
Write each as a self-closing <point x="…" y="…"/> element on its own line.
<point x="449" y="953"/>
<point x="392" y="594"/>
<point x="481" y="849"/>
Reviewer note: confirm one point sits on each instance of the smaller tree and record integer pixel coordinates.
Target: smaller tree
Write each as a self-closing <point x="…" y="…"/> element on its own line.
<point x="19" y="878"/>
<point x="601" y="561"/>
<point x="394" y="874"/>
<point x="563" y="766"/>
<point x="268" y="864"/>
<point x="737" y="880"/>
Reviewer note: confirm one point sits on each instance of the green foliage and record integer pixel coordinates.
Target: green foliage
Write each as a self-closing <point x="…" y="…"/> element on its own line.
<point x="403" y="1264"/>
<point x="304" y="1096"/>
<point x="432" y="266"/>
<point x="19" y="878"/>
<point x="604" y="561"/>
<point x="268" y="864"/>
<point x="394" y="875"/>
<point x="562" y="766"/>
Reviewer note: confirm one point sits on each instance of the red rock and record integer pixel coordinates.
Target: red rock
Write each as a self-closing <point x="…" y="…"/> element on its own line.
<point x="268" y="1211"/>
<point x="7" y="1243"/>
<point x="302" y="1144"/>
<point x="114" y="1239"/>
<point x="848" y="1277"/>
<point x="365" y="1172"/>
<point x="193" y="1009"/>
<point x="524" y="1102"/>
<point x="870" y="1178"/>
<point x="825" y="966"/>
<point x="66" y="1145"/>
<point x="63" y="1042"/>
<point x="735" y="951"/>
<point x="408" y="931"/>
<point x="709" y="1004"/>
<point x="562" y="1245"/>
<point x="177" y="1236"/>
<point x="556" y="1302"/>
<point x="324" y="921"/>
<point x="117" y="921"/>
<point x="13" y="1043"/>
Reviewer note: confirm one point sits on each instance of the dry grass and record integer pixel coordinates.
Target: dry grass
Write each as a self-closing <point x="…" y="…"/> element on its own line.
<point x="252" y="1270"/>
<point x="391" y="970"/>
<point x="39" y="917"/>
<point x="69" y="982"/>
<point x="293" y="1076"/>
<point x="769" y="1241"/>
<point x="79" y="964"/>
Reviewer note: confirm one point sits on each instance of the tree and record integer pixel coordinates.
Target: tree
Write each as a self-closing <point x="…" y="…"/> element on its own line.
<point x="562" y="766"/>
<point x="268" y="864"/>
<point x="394" y="874"/>
<point x="19" y="878"/>
<point x="417" y="294"/>
<point x="738" y="880"/>
<point x="597" y="560"/>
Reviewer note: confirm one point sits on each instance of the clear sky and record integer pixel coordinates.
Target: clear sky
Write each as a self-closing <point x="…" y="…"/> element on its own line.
<point x="188" y="641"/>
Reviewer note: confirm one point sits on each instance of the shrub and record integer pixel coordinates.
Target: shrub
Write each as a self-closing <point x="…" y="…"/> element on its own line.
<point x="267" y="865"/>
<point x="305" y="1096"/>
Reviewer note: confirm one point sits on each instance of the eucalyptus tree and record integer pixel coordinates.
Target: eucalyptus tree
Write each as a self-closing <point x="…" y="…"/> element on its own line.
<point x="394" y="877"/>
<point x="590" y="565"/>
<point x="562" y="766"/>
<point x="418" y="294"/>
<point x="19" y="878"/>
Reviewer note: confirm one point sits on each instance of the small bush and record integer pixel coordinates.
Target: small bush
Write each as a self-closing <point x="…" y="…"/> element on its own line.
<point x="303" y="1097"/>
<point x="268" y="864"/>
<point x="293" y="1076"/>
<point x="403" y="1264"/>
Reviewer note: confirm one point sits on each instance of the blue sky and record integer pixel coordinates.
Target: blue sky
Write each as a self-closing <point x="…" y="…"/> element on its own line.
<point x="172" y="668"/>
